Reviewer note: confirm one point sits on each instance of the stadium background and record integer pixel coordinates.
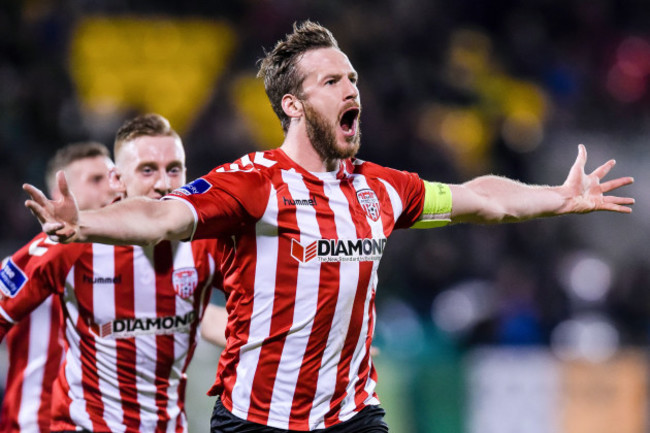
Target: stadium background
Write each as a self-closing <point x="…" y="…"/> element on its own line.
<point x="536" y="327"/>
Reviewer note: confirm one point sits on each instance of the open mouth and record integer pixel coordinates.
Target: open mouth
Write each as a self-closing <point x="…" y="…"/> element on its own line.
<point x="349" y="121"/>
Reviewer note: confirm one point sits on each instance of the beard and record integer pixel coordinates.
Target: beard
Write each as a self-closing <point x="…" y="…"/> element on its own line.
<point x="322" y="135"/>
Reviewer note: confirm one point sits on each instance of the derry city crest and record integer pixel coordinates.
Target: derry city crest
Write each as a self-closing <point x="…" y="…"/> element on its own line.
<point x="185" y="281"/>
<point x="369" y="203"/>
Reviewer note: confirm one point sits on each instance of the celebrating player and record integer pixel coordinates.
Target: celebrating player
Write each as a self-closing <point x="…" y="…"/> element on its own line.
<point x="310" y="223"/>
<point x="35" y="344"/>
<point x="131" y="313"/>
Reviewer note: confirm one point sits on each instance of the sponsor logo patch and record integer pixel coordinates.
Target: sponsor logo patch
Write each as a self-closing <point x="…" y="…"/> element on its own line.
<point x="198" y="186"/>
<point x="339" y="250"/>
<point x="125" y="328"/>
<point x="12" y="279"/>
<point x="185" y="281"/>
<point x="369" y="203"/>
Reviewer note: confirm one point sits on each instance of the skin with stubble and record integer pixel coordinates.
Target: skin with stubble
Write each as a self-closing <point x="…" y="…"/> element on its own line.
<point x="88" y="179"/>
<point x="151" y="166"/>
<point x="324" y="117"/>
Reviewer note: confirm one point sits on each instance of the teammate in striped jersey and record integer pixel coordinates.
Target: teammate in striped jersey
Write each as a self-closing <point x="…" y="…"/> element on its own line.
<point x="131" y="313"/>
<point x="35" y="344"/>
<point x="310" y="222"/>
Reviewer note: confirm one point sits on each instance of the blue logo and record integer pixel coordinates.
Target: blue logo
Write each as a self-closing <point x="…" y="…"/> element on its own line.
<point x="12" y="279"/>
<point x="198" y="186"/>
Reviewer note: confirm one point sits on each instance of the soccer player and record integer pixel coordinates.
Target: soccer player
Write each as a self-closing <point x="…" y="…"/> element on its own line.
<point x="131" y="313"/>
<point x="35" y="344"/>
<point x="310" y="223"/>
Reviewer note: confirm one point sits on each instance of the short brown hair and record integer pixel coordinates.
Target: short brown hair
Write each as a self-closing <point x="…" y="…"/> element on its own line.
<point x="69" y="154"/>
<point x="278" y="67"/>
<point x="145" y="125"/>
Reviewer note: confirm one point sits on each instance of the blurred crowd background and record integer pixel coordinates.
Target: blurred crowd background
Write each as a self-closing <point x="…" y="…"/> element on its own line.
<point x="450" y="90"/>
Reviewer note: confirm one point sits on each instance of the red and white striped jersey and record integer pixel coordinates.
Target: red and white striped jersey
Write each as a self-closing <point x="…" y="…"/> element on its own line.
<point x="35" y="349"/>
<point x="131" y="326"/>
<point x="301" y="289"/>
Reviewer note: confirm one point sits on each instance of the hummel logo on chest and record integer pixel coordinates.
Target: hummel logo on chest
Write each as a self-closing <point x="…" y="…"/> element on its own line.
<point x="311" y="201"/>
<point x="101" y="280"/>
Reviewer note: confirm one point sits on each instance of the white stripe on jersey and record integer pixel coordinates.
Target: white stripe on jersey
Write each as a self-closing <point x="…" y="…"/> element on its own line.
<point x="395" y="201"/>
<point x="260" y="324"/>
<point x="348" y="404"/>
<point x="349" y="271"/>
<point x="104" y="312"/>
<point x="37" y="353"/>
<point x="303" y="313"/>
<point x="183" y="258"/>
<point x="73" y="375"/>
<point x="144" y="305"/>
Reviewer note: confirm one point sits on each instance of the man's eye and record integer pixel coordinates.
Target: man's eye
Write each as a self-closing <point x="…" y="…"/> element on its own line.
<point x="175" y="171"/>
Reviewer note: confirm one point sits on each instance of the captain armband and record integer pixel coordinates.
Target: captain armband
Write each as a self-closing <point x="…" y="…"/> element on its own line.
<point x="436" y="211"/>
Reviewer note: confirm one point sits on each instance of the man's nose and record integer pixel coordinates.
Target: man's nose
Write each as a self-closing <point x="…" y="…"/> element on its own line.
<point x="163" y="183"/>
<point x="351" y="90"/>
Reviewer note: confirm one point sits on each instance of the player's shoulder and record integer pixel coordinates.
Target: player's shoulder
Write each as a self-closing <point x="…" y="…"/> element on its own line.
<point x="41" y="250"/>
<point x="40" y="256"/>
<point x="256" y="163"/>
<point x="368" y="168"/>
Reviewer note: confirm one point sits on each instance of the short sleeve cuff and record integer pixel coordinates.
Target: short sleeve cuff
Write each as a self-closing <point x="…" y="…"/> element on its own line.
<point x="191" y="207"/>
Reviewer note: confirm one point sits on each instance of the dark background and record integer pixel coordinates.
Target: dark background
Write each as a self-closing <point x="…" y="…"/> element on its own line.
<point x="433" y="74"/>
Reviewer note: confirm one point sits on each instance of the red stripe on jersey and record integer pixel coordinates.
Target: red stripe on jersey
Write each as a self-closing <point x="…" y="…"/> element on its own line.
<point x="89" y="371"/>
<point x="55" y="353"/>
<point x="165" y="306"/>
<point x="387" y="215"/>
<point x="281" y="319"/>
<point x="367" y="369"/>
<point x="244" y="253"/>
<point x="60" y="395"/>
<point x="125" y="349"/>
<point x="358" y="311"/>
<point x="326" y="306"/>
<point x="17" y="341"/>
<point x="351" y="341"/>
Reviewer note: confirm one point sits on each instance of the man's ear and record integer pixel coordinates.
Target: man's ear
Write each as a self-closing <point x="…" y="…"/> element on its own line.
<point x="115" y="181"/>
<point x="292" y="106"/>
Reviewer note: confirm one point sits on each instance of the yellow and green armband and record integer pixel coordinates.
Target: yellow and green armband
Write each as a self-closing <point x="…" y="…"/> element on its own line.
<point x="436" y="211"/>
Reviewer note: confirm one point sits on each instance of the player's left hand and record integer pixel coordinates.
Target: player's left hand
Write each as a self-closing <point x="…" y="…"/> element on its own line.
<point x="587" y="193"/>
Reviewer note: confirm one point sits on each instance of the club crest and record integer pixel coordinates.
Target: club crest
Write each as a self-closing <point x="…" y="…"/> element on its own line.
<point x="369" y="202"/>
<point x="185" y="281"/>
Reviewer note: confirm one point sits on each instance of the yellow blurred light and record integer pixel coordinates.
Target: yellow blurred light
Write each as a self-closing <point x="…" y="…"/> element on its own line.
<point x="522" y="132"/>
<point x="251" y="100"/>
<point x="463" y="129"/>
<point x="151" y="64"/>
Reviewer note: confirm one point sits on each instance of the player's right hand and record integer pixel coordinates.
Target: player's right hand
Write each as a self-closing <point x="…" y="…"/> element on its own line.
<point x="58" y="218"/>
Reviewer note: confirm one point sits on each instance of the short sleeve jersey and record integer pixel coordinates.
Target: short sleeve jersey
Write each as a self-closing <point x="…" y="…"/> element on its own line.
<point x="35" y="348"/>
<point x="131" y="326"/>
<point x="301" y="286"/>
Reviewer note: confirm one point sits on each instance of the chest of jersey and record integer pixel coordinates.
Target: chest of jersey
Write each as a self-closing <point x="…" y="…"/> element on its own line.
<point x="124" y="292"/>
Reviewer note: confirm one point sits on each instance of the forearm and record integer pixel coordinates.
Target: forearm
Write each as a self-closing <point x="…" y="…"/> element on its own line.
<point x="136" y="221"/>
<point x="494" y="199"/>
<point x="213" y="325"/>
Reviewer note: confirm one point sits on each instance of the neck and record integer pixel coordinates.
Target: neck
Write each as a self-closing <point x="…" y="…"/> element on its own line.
<point x="299" y="148"/>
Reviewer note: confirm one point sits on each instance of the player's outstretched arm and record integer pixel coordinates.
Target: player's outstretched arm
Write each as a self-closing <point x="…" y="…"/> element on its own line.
<point x="494" y="199"/>
<point x="134" y="221"/>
